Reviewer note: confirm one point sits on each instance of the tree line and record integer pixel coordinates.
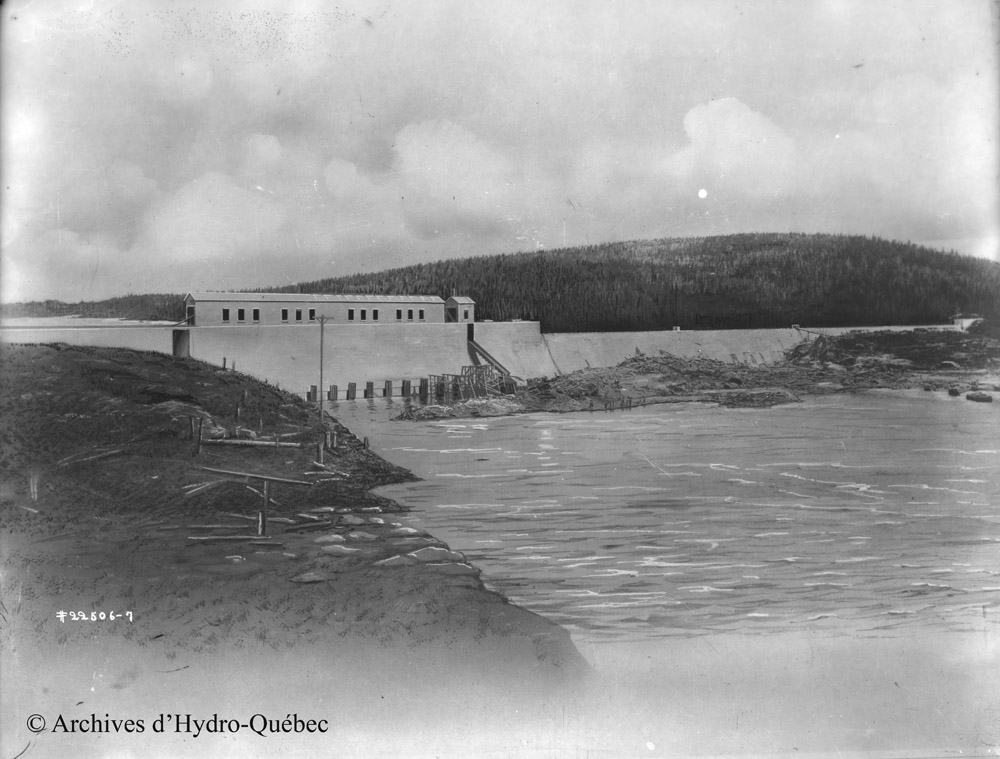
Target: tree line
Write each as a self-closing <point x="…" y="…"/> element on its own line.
<point x="728" y="282"/>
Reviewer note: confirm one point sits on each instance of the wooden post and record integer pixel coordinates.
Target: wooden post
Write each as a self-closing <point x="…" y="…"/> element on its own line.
<point x="333" y="393"/>
<point x="191" y="427"/>
<point x="352" y="390"/>
<point x="322" y="326"/>
<point x="223" y="362"/>
<point x="333" y="445"/>
<point x="201" y="424"/>
<point x="319" y="452"/>
<point x="261" y="524"/>
<point x="424" y="387"/>
<point x="369" y="390"/>
<point x="387" y="393"/>
<point x="406" y="391"/>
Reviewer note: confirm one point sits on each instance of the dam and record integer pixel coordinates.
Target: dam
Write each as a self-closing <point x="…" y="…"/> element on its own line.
<point x="440" y="341"/>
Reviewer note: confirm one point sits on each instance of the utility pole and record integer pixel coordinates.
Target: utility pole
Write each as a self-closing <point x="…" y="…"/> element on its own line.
<point x="322" y="324"/>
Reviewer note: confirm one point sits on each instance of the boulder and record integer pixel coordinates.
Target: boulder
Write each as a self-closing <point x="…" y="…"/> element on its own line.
<point x="979" y="397"/>
<point x="358" y="535"/>
<point x="307" y="577"/>
<point x="330" y="539"/>
<point x="452" y="568"/>
<point x="437" y="553"/>
<point x="399" y="560"/>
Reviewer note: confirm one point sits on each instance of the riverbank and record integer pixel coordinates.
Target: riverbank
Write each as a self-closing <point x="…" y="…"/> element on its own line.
<point x="111" y="507"/>
<point x="937" y="361"/>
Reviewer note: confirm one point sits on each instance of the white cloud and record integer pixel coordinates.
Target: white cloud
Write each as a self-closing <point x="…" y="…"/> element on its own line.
<point x="210" y="225"/>
<point x="735" y="149"/>
<point x="310" y="140"/>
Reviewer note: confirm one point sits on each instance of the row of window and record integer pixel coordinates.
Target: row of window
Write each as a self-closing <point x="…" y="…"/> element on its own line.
<point x="255" y="314"/>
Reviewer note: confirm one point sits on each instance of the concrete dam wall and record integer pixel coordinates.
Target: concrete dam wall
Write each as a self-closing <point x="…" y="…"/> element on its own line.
<point x="572" y="351"/>
<point x="288" y="355"/>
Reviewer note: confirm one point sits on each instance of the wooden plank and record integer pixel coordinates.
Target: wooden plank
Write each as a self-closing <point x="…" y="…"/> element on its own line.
<point x="251" y="443"/>
<point x="254" y="476"/>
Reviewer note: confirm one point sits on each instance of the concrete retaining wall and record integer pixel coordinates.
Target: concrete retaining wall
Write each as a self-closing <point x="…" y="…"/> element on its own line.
<point x="289" y="355"/>
<point x="137" y="338"/>
<point x="519" y="346"/>
<point x="572" y="351"/>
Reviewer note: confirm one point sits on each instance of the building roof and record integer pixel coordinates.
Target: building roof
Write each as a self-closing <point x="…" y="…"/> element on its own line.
<point x="310" y="298"/>
<point x="461" y="299"/>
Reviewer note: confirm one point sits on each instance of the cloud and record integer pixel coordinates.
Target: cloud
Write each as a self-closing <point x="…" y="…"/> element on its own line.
<point x="454" y="180"/>
<point x="211" y="225"/>
<point x="734" y="149"/>
<point x="64" y="265"/>
<point x="245" y="144"/>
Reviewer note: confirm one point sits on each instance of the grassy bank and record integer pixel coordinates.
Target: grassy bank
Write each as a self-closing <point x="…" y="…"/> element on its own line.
<point x="107" y="505"/>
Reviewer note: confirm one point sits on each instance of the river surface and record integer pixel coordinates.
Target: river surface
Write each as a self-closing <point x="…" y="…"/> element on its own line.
<point x="862" y="515"/>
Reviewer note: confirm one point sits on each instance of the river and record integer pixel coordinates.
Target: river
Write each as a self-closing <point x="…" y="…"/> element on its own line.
<point x="853" y="514"/>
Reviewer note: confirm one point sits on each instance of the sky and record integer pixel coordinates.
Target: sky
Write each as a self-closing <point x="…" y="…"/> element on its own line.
<point x="170" y="147"/>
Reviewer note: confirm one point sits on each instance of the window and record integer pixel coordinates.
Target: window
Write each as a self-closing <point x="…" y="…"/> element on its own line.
<point x="225" y="314"/>
<point x="241" y="314"/>
<point x="399" y="314"/>
<point x="350" y="314"/>
<point x="465" y="314"/>
<point x="298" y="314"/>
<point x="374" y="314"/>
<point x="312" y="314"/>
<point x="409" y="314"/>
<point x="421" y="314"/>
<point x="364" y="314"/>
<point x="284" y="314"/>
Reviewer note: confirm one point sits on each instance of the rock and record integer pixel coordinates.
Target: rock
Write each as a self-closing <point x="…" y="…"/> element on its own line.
<point x="358" y="535"/>
<point x="399" y="560"/>
<point x="452" y="568"/>
<point x="404" y="531"/>
<point x="979" y="397"/>
<point x="330" y="539"/>
<point x="307" y="577"/>
<point x="437" y="553"/>
<point x="352" y="520"/>
<point x="337" y="550"/>
<point x="948" y="365"/>
<point x="954" y="392"/>
<point x="375" y="520"/>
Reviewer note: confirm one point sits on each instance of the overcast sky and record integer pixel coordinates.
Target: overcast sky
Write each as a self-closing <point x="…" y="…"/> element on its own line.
<point x="167" y="147"/>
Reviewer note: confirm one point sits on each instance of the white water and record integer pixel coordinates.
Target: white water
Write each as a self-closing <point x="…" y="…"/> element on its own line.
<point x="821" y="577"/>
<point x="850" y="514"/>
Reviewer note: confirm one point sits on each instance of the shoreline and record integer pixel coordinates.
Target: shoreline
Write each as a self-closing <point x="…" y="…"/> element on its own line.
<point x="352" y="615"/>
<point x="957" y="363"/>
<point x="107" y="509"/>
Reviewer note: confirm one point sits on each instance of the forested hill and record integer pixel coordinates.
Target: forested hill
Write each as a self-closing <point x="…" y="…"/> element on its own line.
<point x="737" y="281"/>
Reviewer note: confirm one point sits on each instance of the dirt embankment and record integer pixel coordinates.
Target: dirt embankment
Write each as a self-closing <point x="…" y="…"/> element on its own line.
<point x="958" y="362"/>
<point x="108" y="505"/>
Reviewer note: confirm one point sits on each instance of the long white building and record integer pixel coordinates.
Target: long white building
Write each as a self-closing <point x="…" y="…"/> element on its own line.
<point x="215" y="309"/>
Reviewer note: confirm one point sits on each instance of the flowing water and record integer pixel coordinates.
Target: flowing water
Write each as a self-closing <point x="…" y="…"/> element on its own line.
<point x="850" y="514"/>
